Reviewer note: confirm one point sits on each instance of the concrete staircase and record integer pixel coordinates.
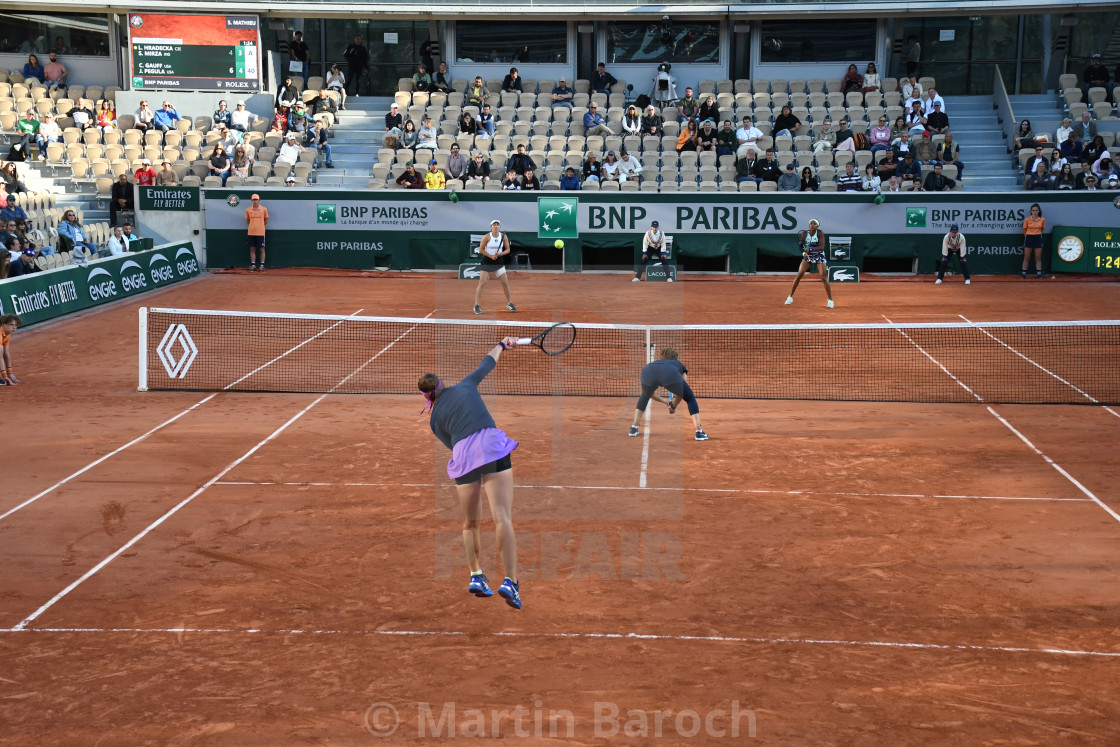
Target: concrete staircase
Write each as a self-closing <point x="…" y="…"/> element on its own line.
<point x="984" y="151"/>
<point x="355" y="139"/>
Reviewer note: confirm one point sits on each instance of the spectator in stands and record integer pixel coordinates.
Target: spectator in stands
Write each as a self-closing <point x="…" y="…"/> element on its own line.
<point x="477" y="92"/>
<point x="1090" y="184"/>
<point x="34" y="241"/>
<point x="219" y="163"/>
<point x="512" y="83"/>
<point x="871" y="80"/>
<point x="8" y="230"/>
<point x="707" y="137"/>
<point x="357" y="60"/>
<point x="289" y="153"/>
<point x="938" y="182"/>
<point x="70" y="229"/>
<point x="280" y="120"/>
<point x="144" y="117"/>
<point x="49" y="132"/>
<point x="888" y="165"/>
<point x="1103" y="167"/>
<point x="290" y="180"/>
<point x="410" y="178"/>
<point x="1085" y="172"/>
<point x="427" y="137"/>
<point x="1085" y="128"/>
<point x="788" y="182"/>
<point x="457" y="164"/>
<point x="1064" y="131"/>
<point x="167" y="176"/>
<point x="409" y="135"/>
<point x="937" y="122"/>
<point x="479" y="169"/>
<point x="83" y="116"/>
<point x="55" y="72"/>
<point x="923" y="149"/>
<point x="1057" y="161"/>
<point x="117" y="245"/>
<point x="512" y="181"/>
<point x="12" y="183"/>
<point x="121" y="198"/>
<point x="485" y="123"/>
<point x="809" y="182"/>
<point x="897" y="130"/>
<point x="1093" y="151"/>
<point x="222" y="115"/>
<point x="767" y="169"/>
<point x="435" y="178"/>
<point x="871" y="181"/>
<point x="905" y="145"/>
<point x="631" y="121"/>
<point x="530" y="181"/>
<point x="652" y="122"/>
<point x="852" y="81"/>
<point x="686" y="141"/>
<point x="609" y="172"/>
<point x="393" y="123"/>
<point x="570" y="182"/>
<point x="1024" y="136"/>
<point x="468" y="125"/>
<point x="287" y="94"/>
<point x="786" y="123"/>
<point x="12" y="211"/>
<point x="1066" y="179"/>
<point x="916" y="185"/>
<point x="242" y="166"/>
<point x="1039" y="178"/>
<point x="747" y="137"/>
<point x="336" y="81"/>
<point x="562" y="95"/>
<point x="421" y="80"/>
<point x="227" y="137"/>
<point x="33" y="68"/>
<point x="909" y="169"/>
<point x="1071" y="148"/>
<point x="689" y="106"/>
<point x="1038" y="157"/>
<point x="592" y="169"/>
<point x="726" y="139"/>
<point x="106" y="116"/>
<point x="894" y="185"/>
<point x="931" y="99"/>
<point x="317" y="140"/>
<point x="948" y="153"/>
<point x="297" y="120"/>
<point x="440" y="81"/>
<point x="629" y="167"/>
<point x="709" y="110"/>
<point x="915" y="120"/>
<point x="166" y="117"/>
<point x="1096" y="76"/>
<point x="242" y="119"/>
<point x="601" y="80"/>
<point x="910" y="88"/>
<point x="745" y="167"/>
<point x="11" y="266"/>
<point x="845" y="137"/>
<point x="825" y="139"/>
<point x="520" y="162"/>
<point x="27" y="127"/>
<point x="848" y="180"/>
<point x="880" y="135"/>
<point x="594" y="123"/>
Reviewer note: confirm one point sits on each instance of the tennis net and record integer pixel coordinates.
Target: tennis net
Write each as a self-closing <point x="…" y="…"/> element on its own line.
<point x="1075" y="362"/>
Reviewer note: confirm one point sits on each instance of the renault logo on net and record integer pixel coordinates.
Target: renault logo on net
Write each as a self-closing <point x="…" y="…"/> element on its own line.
<point x="177" y="351"/>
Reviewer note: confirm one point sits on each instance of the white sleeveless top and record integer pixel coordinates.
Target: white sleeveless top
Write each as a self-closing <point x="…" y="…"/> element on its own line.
<point x="492" y="245"/>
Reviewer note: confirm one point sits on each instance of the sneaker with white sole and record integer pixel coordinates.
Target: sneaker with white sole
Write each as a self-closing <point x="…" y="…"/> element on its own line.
<point x="937" y="282"/>
<point x="968" y="282"/>
<point x="511" y="592"/>
<point x="831" y="305"/>
<point x="479" y="586"/>
<point x="636" y="280"/>
<point x="670" y="280"/>
<point x="511" y="307"/>
<point x="477" y="309"/>
<point x="701" y="436"/>
<point x="789" y="300"/>
<point x="633" y="431"/>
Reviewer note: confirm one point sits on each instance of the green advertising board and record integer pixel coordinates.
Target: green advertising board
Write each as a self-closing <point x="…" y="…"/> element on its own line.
<point x="1092" y="250"/>
<point x="177" y="199"/>
<point x="45" y="295"/>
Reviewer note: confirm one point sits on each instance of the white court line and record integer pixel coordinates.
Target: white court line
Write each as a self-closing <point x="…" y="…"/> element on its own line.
<point x="1039" y="366"/>
<point x="1023" y="438"/>
<point x="778" y="641"/>
<point x="232" y="465"/>
<point x="138" y="439"/>
<point x="937" y="362"/>
<point x="760" y="491"/>
<point x="645" y="448"/>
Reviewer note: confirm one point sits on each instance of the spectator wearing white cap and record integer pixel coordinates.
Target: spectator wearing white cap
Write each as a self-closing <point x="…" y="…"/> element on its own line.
<point x="394" y="122"/>
<point x="242" y="119"/>
<point x="290" y="181"/>
<point x="290" y="151"/>
<point x="145" y="176"/>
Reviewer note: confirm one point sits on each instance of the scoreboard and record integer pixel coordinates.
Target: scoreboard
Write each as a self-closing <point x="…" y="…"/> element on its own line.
<point x="194" y="53"/>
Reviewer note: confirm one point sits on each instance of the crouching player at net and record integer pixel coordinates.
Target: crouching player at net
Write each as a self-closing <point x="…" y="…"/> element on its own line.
<point x="479" y="459"/>
<point x="671" y="374"/>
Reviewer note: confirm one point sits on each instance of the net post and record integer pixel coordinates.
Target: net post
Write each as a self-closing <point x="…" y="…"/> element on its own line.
<point x="143" y="382"/>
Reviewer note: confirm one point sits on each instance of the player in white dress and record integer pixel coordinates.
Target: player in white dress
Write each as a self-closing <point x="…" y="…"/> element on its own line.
<point x="494" y="246"/>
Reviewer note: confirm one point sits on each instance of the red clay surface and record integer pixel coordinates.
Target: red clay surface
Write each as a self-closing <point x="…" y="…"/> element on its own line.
<point x="851" y="573"/>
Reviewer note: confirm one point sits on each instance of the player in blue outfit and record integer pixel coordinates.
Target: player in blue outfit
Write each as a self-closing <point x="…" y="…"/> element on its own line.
<point x="671" y="374"/>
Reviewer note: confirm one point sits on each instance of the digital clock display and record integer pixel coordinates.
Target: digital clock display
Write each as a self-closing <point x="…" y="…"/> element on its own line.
<point x="1107" y="261"/>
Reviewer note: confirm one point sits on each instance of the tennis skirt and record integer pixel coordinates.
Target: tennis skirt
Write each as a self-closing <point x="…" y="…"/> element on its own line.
<point x="478" y="450"/>
<point x="495" y="266"/>
<point x="816" y="258"/>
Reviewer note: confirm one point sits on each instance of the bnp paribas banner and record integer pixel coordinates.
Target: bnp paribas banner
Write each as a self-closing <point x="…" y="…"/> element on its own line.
<point x="45" y="295"/>
<point x="570" y="215"/>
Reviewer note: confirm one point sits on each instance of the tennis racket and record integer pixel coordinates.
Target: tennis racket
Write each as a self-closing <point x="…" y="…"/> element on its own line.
<point x="554" y="340"/>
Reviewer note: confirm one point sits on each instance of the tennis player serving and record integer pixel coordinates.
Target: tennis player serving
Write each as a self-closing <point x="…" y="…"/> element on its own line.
<point x="671" y="374"/>
<point x="812" y="243"/>
<point x="479" y="459"/>
<point x="494" y="246"/>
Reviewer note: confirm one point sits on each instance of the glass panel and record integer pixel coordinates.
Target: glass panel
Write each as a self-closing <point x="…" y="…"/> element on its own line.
<point x="1092" y="33"/>
<point x="393" y="48"/>
<point x="513" y="41"/>
<point x="675" y="42"/>
<point x="68" y="35"/>
<point x="952" y="79"/>
<point x="817" y="41"/>
<point x="936" y="50"/>
<point x="995" y="38"/>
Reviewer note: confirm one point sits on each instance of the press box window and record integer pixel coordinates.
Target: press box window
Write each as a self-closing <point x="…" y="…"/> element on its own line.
<point x="511" y="42"/>
<point x="663" y="40"/>
<point x="821" y="41"/>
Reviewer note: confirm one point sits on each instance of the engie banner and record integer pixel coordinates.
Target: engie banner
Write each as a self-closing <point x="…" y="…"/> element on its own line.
<point x="45" y="295"/>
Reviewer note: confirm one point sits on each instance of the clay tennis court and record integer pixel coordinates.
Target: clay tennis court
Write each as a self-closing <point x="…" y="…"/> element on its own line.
<point x="265" y="568"/>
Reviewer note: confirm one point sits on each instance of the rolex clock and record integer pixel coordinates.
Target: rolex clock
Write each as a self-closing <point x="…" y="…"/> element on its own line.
<point x="1071" y="249"/>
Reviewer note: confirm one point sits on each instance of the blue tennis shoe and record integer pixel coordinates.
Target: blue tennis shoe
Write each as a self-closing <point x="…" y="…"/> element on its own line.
<point x="479" y="586"/>
<point x="511" y="593"/>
